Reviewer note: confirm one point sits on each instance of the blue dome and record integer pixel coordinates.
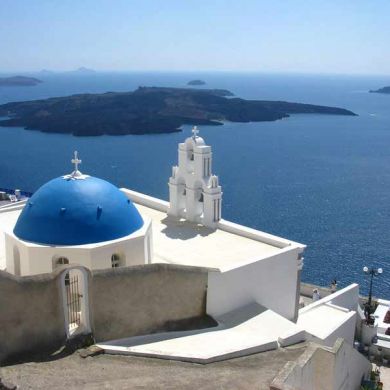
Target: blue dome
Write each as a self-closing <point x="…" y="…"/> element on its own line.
<point x="77" y="212"/>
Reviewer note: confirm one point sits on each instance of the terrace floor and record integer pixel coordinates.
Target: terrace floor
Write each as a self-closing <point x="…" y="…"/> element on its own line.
<point x="191" y="244"/>
<point x="128" y="372"/>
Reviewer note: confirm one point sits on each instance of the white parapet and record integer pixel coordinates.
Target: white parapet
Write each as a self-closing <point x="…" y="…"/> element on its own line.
<point x="146" y="200"/>
<point x="338" y="367"/>
<point x="331" y="317"/>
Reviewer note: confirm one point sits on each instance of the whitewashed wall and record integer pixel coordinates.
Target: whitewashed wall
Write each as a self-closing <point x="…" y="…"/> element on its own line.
<point x="348" y="298"/>
<point x="37" y="259"/>
<point x="271" y="282"/>
<point x="346" y="301"/>
<point x="345" y="331"/>
<point x="341" y="367"/>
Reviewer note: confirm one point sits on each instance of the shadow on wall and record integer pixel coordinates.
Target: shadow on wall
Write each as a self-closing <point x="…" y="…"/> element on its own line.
<point x="40" y="313"/>
<point x="31" y="314"/>
<point x="145" y="299"/>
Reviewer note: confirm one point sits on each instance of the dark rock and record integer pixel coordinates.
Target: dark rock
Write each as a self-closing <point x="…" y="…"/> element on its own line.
<point x="93" y="350"/>
<point x="196" y="82"/>
<point x="7" y="386"/>
<point x="147" y="110"/>
<point x="18" y="81"/>
<point x="385" y="90"/>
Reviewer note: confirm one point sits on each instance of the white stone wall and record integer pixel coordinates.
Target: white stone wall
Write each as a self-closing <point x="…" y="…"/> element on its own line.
<point x="132" y="252"/>
<point x="271" y="282"/>
<point x="344" y="301"/>
<point x="341" y="367"/>
<point x="348" y="298"/>
<point x="345" y="331"/>
<point x="36" y="259"/>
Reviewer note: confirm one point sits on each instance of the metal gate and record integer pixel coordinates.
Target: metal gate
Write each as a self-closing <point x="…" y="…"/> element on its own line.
<point x="73" y="301"/>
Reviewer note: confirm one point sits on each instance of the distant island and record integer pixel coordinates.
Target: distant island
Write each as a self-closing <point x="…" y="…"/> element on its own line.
<point x="18" y="81"/>
<point x="83" y="70"/>
<point x="147" y="110"/>
<point x="46" y="72"/>
<point x="196" y="82"/>
<point x="381" y="90"/>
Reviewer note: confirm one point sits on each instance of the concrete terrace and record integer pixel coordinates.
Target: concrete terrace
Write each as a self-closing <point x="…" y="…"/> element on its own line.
<point x="128" y="372"/>
<point x="251" y="329"/>
<point x="322" y="320"/>
<point x="179" y="242"/>
<point x="190" y="244"/>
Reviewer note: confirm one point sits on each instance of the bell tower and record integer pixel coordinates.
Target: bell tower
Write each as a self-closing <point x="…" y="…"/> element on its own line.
<point x="194" y="193"/>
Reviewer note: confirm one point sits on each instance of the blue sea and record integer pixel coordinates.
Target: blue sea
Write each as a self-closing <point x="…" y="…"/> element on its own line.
<point x="317" y="179"/>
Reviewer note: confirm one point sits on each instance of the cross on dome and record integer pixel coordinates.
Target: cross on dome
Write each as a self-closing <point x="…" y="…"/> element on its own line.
<point x="195" y="132"/>
<point x="75" y="160"/>
<point x="76" y="174"/>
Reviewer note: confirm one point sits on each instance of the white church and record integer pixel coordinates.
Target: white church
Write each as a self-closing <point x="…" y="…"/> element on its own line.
<point x="83" y="220"/>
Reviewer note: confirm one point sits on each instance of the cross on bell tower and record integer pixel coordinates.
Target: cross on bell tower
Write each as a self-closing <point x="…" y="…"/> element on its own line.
<point x="195" y="132"/>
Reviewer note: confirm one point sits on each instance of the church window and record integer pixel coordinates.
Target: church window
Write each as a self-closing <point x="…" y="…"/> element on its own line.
<point x="190" y="154"/>
<point x="60" y="260"/>
<point x="116" y="261"/>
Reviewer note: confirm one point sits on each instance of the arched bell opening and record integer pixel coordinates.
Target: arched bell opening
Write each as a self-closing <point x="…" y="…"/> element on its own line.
<point x="199" y="200"/>
<point x="190" y="159"/>
<point x="181" y="196"/>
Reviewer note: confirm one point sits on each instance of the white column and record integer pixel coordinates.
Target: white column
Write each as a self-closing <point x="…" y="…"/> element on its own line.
<point x="198" y="165"/>
<point x="173" y="200"/>
<point x="182" y="158"/>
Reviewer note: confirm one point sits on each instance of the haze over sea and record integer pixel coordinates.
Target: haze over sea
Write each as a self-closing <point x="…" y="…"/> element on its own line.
<point x="320" y="180"/>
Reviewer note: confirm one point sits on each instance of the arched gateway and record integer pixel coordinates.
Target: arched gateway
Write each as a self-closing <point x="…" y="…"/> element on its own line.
<point x="75" y="300"/>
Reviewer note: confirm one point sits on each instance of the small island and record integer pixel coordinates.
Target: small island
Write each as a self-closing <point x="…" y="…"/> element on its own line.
<point x="385" y="90"/>
<point x="83" y="70"/>
<point x="46" y="72"/>
<point x="148" y="110"/>
<point x="196" y="82"/>
<point x="19" y="81"/>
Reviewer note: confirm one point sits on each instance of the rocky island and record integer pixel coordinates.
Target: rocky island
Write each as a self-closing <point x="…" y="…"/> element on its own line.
<point x="381" y="90"/>
<point x="196" y="82"/>
<point x="83" y="70"/>
<point x="147" y="110"/>
<point x="18" y="81"/>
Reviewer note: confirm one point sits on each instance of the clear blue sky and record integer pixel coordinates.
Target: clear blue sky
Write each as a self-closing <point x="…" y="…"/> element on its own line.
<point x="317" y="36"/>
